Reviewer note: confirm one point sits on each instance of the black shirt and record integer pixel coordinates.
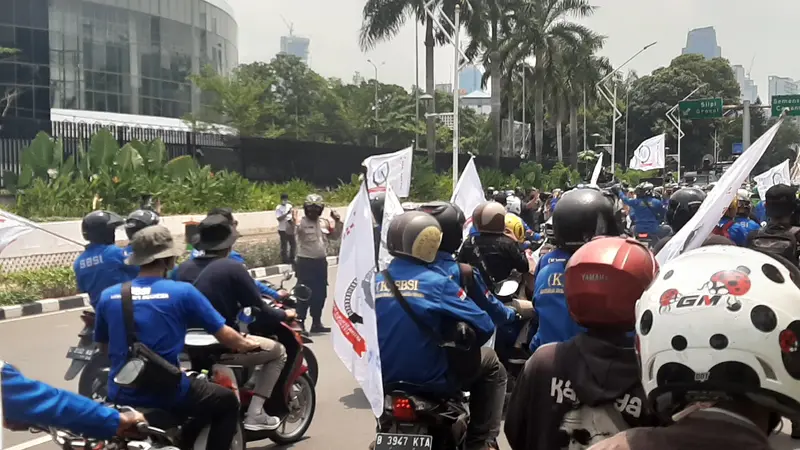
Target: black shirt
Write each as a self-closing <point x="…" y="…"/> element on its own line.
<point x="228" y="287"/>
<point x="500" y="256"/>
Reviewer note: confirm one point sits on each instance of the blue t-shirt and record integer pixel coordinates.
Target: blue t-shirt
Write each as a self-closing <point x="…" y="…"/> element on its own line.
<point x="234" y="255"/>
<point x="99" y="267"/>
<point x="163" y="310"/>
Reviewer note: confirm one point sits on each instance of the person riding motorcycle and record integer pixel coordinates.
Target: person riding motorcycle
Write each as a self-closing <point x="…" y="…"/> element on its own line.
<point x="229" y="288"/>
<point x="682" y="206"/>
<point x="162" y="311"/>
<point x="744" y="208"/>
<point x="30" y="403"/>
<point x="728" y="226"/>
<point x="137" y="220"/>
<point x="493" y="252"/>
<point x="723" y="371"/>
<point x="604" y="280"/>
<point x="102" y="264"/>
<point x="646" y="212"/>
<point x="582" y="214"/>
<point x="409" y="350"/>
<point x="451" y="221"/>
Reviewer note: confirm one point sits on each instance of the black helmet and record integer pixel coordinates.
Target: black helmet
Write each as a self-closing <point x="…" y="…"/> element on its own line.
<point x="501" y="197"/>
<point x="581" y="215"/>
<point x="98" y="227"/>
<point x="644" y="189"/>
<point x="376" y="205"/>
<point x="415" y="235"/>
<point x="683" y="204"/>
<point x="451" y="220"/>
<point x="141" y="218"/>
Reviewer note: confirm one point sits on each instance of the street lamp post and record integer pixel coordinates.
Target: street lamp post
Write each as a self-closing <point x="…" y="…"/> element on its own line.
<point x="376" y="98"/>
<point x="675" y="119"/>
<point x="611" y="98"/>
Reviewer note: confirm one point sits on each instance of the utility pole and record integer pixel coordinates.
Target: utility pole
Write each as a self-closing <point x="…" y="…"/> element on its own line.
<point x="376" y="98"/>
<point x="746" y="125"/>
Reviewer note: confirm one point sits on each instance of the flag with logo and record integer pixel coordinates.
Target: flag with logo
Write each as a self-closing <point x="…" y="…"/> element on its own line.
<point x="391" y="208"/>
<point x="355" y="336"/>
<point x="391" y="168"/>
<point x="597" y="169"/>
<point x="11" y="228"/>
<point x="699" y="227"/>
<point x="468" y="193"/>
<point x="776" y="175"/>
<point x="650" y="154"/>
<point x="795" y="172"/>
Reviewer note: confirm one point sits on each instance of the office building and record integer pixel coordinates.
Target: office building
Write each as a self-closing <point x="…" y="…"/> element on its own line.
<point x="447" y="88"/>
<point x="748" y="88"/>
<point x="469" y="79"/>
<point x="116" y="56"/>
<point x="702" y="41"/>
<point x="783" y="86"/>
<point x="296" y="45"/>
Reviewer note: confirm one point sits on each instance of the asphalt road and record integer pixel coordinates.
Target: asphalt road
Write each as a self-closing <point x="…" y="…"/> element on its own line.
<point x="343" y="420"/>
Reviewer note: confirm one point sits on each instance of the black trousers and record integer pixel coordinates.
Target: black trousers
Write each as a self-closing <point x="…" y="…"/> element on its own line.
<point x="313" y="272"/>
<point x="288" y="247"/>
<point x="487" y="388"/>
<point x="209" y="403"/>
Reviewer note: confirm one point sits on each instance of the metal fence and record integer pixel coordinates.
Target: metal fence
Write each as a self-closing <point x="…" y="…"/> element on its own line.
<point x="75" y="135"/>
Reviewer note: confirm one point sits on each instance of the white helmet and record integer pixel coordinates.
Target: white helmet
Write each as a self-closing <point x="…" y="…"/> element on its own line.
<point x="717" y="321"/>
<point x="514" y="204"/>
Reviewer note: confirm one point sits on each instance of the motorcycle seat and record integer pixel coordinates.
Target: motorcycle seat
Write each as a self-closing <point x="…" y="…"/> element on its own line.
<point x="197" y="338"/>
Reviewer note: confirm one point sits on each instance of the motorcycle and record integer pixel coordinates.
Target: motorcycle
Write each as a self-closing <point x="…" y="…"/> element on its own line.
<point x="88" y="361"/>
<point x="294" y="396"/>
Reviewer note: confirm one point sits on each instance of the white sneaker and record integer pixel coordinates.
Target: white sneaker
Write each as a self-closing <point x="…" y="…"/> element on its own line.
<point x="261" y="422"/>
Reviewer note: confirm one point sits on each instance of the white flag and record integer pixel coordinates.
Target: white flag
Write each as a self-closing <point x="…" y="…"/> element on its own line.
<point x="795" y="173"/>
<point x="468" y="193"/>
<point x="597" y="169"/>
<point x="355" y="337"/>
<point x="650" y="154"/>
<point x="699" y="227"/>
<point x="11" y="228"/>
<point x="391" y="168"/>
<point x="776" y="175"/>
<point x="391" y="208"/>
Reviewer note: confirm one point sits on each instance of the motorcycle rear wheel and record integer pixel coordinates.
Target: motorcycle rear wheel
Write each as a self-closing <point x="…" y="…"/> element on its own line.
<point x="302" y="412"/>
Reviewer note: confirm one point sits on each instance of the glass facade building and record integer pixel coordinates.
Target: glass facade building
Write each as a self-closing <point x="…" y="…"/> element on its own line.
<point x="121" y="56"/>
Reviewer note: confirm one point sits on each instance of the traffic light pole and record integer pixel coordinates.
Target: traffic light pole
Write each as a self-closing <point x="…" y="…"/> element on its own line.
<point x="674" y="116"/>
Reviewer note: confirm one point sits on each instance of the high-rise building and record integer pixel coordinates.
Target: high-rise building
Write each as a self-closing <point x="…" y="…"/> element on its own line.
<point x="469" y="79"/>
<point x="747" y="87"/>
<point x="783" y="86"/>
<point x="296" y="45"/>
<point x="702" y="41"/>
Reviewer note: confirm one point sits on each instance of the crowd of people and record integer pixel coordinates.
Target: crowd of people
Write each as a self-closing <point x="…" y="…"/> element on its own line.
<point x="699" y="353"/>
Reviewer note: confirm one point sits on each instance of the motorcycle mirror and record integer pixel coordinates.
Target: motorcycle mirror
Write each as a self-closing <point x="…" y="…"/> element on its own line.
<point x="507" y="288"/>
<point x="288" y="275"/>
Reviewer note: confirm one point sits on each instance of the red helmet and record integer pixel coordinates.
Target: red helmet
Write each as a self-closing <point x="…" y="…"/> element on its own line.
<point x="604" y="280"/>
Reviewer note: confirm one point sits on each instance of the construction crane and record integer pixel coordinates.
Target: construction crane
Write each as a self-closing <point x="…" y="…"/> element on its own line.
<point x="289" y="25"/>
<point x="750" y="69"/>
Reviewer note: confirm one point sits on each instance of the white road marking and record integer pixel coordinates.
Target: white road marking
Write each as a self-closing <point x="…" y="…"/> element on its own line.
<point x="31" y="443"/>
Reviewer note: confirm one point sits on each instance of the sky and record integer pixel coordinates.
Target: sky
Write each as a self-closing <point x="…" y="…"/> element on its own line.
<point x="765" y="29"/>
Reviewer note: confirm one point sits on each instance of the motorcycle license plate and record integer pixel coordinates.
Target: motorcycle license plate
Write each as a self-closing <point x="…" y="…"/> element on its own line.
<point x="83" y="354"/>
<point x="391" y="441"/>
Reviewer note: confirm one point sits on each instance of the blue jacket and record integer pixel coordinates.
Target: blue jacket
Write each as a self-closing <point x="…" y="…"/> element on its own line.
<point x="748" y="225"/>
<point x="447" y="265"/>
<point x="737" y="232"/>
<point x="555" y="322"/>
<point x="760" y="211"/>
<point x="408" y="353"/>
<point x="265" y="289"/>
<point x="647" y="214"/>
<point x="101" y="266"/>
<point x="29" y="402"/>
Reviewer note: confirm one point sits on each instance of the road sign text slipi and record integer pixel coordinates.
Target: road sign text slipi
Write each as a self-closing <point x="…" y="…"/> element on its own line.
<point x="781" y="102"/>
<point x="704" y="108"/>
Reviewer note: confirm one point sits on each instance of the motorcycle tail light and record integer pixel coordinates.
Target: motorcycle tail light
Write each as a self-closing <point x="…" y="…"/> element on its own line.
<point x="403" y="410"/>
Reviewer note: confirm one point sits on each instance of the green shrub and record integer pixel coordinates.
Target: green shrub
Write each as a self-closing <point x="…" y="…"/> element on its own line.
<point x="49" y="282"/>
<point x="261" y="254"/>
<point x="16" y="296"/>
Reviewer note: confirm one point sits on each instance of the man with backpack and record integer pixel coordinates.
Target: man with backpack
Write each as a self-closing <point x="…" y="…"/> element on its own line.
<point x="576" y="393"/>
<point x="778" y="237"/>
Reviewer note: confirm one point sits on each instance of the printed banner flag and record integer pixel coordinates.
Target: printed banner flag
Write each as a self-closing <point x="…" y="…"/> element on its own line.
<point x="11" y="228"/>
<point x="776" y="175"/>
<point x="694" y="233"/>
<point x="468" y="193"/>
<point x="391" y="168"/>
<point x="650" y="154"/>
<point x="597" y="169"/>
<point x="355" y="336"/>
<point x="796" y="167"/>
<point x="391" y="208"/>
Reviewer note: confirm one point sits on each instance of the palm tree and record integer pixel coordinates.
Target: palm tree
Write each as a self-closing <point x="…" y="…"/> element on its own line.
<point x="541" y="28"/>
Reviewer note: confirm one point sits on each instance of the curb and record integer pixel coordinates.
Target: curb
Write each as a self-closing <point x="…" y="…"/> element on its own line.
<point x="82" y="300"/>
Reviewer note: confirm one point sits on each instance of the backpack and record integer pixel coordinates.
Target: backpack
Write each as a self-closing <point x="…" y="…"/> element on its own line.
<point x="585" y="426"/>
<point x="725" y="230"/>
<point x="776" y="240"/>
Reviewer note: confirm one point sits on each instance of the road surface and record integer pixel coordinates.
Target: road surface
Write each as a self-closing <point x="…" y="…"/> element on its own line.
<point x="37" y="346"/>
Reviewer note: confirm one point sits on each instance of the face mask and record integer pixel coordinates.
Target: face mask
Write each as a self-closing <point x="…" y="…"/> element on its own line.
<point x="284" y="201"/>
